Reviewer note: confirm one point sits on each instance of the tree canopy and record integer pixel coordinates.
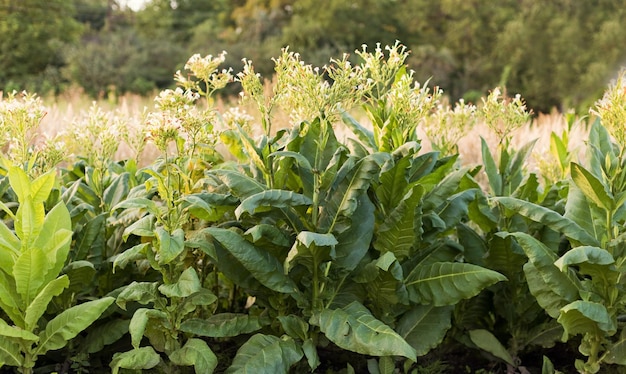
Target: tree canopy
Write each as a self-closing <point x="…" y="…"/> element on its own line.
<point x="558" y="53"/>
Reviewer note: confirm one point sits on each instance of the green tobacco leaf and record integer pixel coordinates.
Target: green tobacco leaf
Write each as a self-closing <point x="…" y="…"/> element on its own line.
<point x="139" y="322"/>
<point x="446" y="283"/>
<point x="137" y="252"/>
<point x="10" y="300"/>
<point x="16" y="332"/>
<point x="584" y="254"/>
<point x="40" y="303"/>
<point x="354" y="328"/>
<point x="141" y="227"/>
<point x="549" y="300"/>
<point x="592" y="187"/>
<point x="393" y="184"/>
<point x="117" y="190"/>
<point x="582" y="317"/>
<point x="616" y="352"/>
<point x="455" y="208"/>
<point x="354" y="242"/>
<point x="493" y="174"/>
<point x="91" y="235"/>
<point x="241" y="185"/>
<point x="343" y="198"/>
<point x="195" y="352"/>
<point x="10" y="353"/>
<point x="579" y="210"/>
<point x="224" y="325"/>
<point x="105" y="334"/>
<point x="64" y="327"/>
<point x="187" y="284"/>
<point x="294" y="326"/>
<point x="261" y="264"/>
<point x="445" y="188"/>
<point x="363" y="134"/>
<point x="397" y="232"/>
<point x="143" y="293"/>
<point x="170" y="245"/>
<point x="266" y="354"/>
<point x="28" y="271"/>
<point x="425" y="326"/>
<point x="566" y="285"/>
<point x="488" y="342"/>
<point x="138" y="203"/>
<point x="550" y="218"/>
<point x="273" y="199"/>
<point x="10" y="247"/>
<point x="310" y="351"/>
<point x="138" y="359"/>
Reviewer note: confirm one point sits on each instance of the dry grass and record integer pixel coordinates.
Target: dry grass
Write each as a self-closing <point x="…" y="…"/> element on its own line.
<point x="63" y="110"/>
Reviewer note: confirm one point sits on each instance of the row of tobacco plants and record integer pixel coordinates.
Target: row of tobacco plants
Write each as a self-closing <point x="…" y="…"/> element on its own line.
<point x="252" y="247"/>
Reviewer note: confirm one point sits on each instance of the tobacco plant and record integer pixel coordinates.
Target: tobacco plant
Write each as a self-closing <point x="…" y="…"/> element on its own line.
<point x="33" y="255"/>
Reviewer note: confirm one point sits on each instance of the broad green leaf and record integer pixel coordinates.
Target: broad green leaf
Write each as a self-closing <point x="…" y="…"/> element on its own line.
<point x="64" y="327"/>
<point x="584" y="254"/>
<point x="29" y="221"/>
<point x="425" y="326"/>
<point x="491" y="169"/>
<point x="187" y="284"/>
<point x="140" y="320"/>
<point x="117" y="190"/>
<point x="446" y="283"/>
<point x="592" y="187"/>
<point x="41" y="187"/>
<point x="488" y="342"/>
<point x="209" y="206"/>
<point x="16" y="332"/>
<point x="267" y="234"/>
<point x="28" y="272"/>
<point x="311" y="249"/>
<point x="579" y="210"/>
<point x="273" y="199"/>
<point x="549" y="300"/>
<point x="320" y="240"/>
<point x="443" y="190"/>
<point x="10" y="300"/>
<point x="354" y="242"/>
<point x="170" y="245"/>
<point x="56" y="250"/>
<point x="566" y="285"/>
<point x="141" y="227"/>
<point x="224" y="325"/>
<point x="266" y="354"/>
<point x="582" y="317"/>
<point x="397" y="231"/>
<point x="262" y="265"/>
<point x="547" y="367"/>
<point x="9" y="248"/>
<point x="20" y="183"/>
<point x="354" y="328"/>
<point x="455" y="208"/>
<point x="343" y="197"/>
<point x="195" y="352"/>
<point x="90" y="235"/>
<point x="363" y="134"/>
<point x="310" y="352"/>
<point x="135" y="253"/>
<point x="105" y="334"/>
<point x="241" y="185"/>
<point x="140" y="203"/>
<point x="616" y="352"/>
<point x="393" y="184"/>
<point x="142" y="293"/>
<point x="294" y="326"/>
<point x="38" y="306"/>
<point x="10" y="353"/>
<point x="550" y="218"/>
<point x="546" y="334"/>
<point x="138" y="359"/>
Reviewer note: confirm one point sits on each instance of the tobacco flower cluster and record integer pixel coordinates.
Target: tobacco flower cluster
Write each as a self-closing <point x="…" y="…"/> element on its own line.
<point x="503" y="114"/>
<point x="611" y="109"/>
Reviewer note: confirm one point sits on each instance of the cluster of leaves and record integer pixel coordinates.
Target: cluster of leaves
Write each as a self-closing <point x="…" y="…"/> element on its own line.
<point x="306" y="253"/>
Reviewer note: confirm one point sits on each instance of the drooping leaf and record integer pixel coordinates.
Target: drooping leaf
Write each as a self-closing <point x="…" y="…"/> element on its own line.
<point x="262" y="265"/>
<point x="195" y="352"/>
<point x="566" y="285"/>
<point x="585" y="254"/>
<point x="363" y="134"/>
<point x="138" y="359"/>
<point x="266" y="354"/>
<point x="486" y="341"/>
<point x="105" y="334"/>
<point x="170" y="245"/>
<point x="354" y="242"/>
<point x="616" y="352"/>
<point x="354" y="328"/>
<point x="579" y="210"/>
<point x="9" y="248"/>
<point x="64" y="327"/>
<point x="141" y="292"/>
<point x="140" y="203"/>
<point x="273" y="199"/>
<point x="425" y="326"/>
<point x="188" y="283"/>
<point x="132" y="254"/>
<point x="310" y="352"/>
<point x="140" y="320"/>
<point x="294" y="326"/>
<point x="39" y="304"/>
<point x="10" y="353"/>
<point x="142" y="227"/>
<point x="549" y="218"/>
<point x="15" y="332"/>
<point x="240" y="185"/>
<point x="581" y="317"/>
<point x="224" y="325"/>
<point x="117" y="190"/>
<point x="493" y="175"/>
<point x="446" y="283"/>
<point x="87" y="237"/>
<point x="545" y="296"/>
